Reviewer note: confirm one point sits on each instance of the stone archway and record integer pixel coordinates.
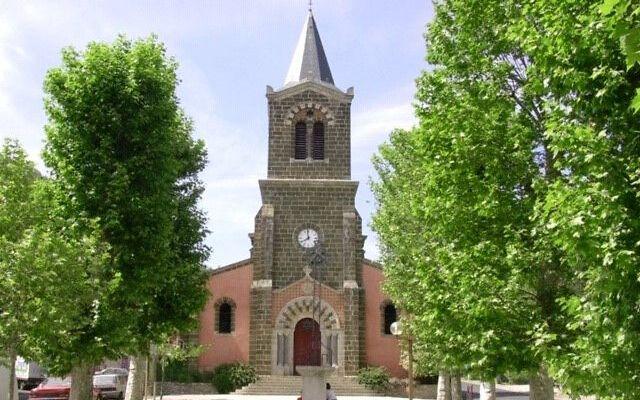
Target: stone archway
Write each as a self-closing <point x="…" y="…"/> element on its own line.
<point x="331" y="335"/>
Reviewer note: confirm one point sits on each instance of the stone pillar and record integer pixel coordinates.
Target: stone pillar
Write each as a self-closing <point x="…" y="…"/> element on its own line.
<point x="260" y="326"/>
<point x="351" y="327"/>
<point x="262" y="252"/>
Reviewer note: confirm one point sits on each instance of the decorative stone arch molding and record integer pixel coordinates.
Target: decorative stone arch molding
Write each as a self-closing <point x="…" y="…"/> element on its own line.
<point x="290" y="116"/>
<point x="302" y="307"/>
<point x="330" y="331"/>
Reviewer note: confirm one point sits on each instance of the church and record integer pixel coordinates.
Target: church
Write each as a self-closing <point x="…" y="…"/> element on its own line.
<point x="306" y="295"/>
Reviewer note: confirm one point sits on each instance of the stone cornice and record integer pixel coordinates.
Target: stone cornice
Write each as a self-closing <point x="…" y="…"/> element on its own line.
<point x="326" y="89"/>
<point x="346" y="183"/>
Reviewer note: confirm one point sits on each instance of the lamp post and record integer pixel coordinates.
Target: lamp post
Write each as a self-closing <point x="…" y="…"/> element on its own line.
<point x="397" y="330"/>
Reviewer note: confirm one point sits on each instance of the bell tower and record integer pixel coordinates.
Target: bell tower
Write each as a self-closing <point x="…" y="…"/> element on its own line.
<point x="308" y="198"/>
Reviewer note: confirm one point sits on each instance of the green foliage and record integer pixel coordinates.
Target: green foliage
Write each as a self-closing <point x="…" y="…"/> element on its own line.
<point x="623" y="16"/>
<point x="508" y="216"/>
<point x="122" y="154"/>
<point x="374" y="378"/>
<point x="47" y="261"/>
<point x="182" y="371"/>
<point x="229" y="377"/>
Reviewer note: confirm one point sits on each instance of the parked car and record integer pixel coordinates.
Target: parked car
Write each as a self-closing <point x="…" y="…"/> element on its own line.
<point x="54" y="388"/>
<point x="28" y="373"/>
<point x="113" y="371"/>
<point x="110" y="386"/>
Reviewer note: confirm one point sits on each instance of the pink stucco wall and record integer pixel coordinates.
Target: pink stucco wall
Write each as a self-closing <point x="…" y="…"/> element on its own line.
<point x="235" y="284"/>
<point x="381" y="350"/>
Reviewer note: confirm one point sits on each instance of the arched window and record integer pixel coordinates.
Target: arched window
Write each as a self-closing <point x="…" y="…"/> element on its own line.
<point x="389" y="316"/>
<point x="300" y="141"/>
<point x="224" y="309"/>
<point x="318" y="141"/>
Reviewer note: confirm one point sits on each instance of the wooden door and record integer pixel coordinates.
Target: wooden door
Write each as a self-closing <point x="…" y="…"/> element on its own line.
<point x="306" y="343"/>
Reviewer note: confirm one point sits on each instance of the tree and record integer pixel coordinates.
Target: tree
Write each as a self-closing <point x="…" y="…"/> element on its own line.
<point x="507" y="215"/>
<point x="46" y="263"/>
<point x="17" y="180"/>
<point x="121" y="150"/>
<point x="623" y="20"/>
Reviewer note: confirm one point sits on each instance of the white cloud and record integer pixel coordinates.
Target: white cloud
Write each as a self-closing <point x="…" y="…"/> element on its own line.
<point x="375" y="125"/>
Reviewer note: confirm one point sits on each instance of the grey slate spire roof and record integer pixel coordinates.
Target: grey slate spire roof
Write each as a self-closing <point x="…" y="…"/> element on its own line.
<point x="309" y="63"/>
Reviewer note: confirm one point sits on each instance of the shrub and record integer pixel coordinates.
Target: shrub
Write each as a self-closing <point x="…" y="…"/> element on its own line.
<point x="184" y="372"/>
<point x="374" y="378"/>
<point x="229" y="377"/>
<point x="176" y="371"/>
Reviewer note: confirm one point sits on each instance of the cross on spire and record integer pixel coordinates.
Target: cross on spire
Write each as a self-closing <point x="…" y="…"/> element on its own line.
<point x="310" y="5"/>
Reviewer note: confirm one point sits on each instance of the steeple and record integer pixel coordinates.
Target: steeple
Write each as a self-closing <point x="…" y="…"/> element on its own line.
<point x="309" y="63"/>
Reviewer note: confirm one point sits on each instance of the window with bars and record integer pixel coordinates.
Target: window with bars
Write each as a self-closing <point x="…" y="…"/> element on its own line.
<point x="300" y="141"/>
<point x="318" y="141"/>
<point x="225" y="310"/>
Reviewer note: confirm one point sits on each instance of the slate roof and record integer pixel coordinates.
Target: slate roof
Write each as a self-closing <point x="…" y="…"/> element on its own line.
<point x="309" y="63"/>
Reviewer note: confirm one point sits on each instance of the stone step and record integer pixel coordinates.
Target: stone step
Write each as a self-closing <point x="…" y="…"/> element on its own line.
<point x="291" y="385"/>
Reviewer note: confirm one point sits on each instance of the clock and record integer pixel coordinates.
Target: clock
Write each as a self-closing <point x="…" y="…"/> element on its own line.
<point x="307" y="238"/>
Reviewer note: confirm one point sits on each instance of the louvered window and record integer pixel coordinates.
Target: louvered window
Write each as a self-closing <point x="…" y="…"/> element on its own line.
<point x="300" y="141"/>
<point x="318" y="141"/>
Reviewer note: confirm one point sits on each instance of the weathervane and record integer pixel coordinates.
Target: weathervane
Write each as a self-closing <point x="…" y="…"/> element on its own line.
<point x="310" y="5"/>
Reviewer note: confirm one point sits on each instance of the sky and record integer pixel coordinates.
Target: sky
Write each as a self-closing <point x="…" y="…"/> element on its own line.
<point x="228" y="51"/>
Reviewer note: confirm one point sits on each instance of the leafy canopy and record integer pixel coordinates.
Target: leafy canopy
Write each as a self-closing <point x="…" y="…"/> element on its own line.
<point x="508" y="216"/>
<point x="121" y="151"/>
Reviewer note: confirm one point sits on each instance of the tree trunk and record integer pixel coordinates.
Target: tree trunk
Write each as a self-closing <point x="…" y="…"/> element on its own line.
<point x="444" y="386"/>
<point x="488" y="390"/>
<point x="541" y="385"/>
<point x="135" y="383"/>
<point x="12" y="374"/>
<point x="82" y="382"/>
<point x="456" y="387"/>
<point x="151" y="380"/>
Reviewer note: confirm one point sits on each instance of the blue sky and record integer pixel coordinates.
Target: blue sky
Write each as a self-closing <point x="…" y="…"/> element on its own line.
<point x="228" y="51"/>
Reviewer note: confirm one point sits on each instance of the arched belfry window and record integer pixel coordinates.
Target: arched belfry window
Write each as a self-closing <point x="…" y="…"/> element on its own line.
<point x="225" y="316"/>
<point x="300" y="141"/>
<point x="389" y="316"/>
<point x="318" y="141"/>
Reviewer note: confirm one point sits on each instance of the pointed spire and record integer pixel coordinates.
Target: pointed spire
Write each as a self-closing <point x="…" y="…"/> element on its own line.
<point x="309" y="63"/>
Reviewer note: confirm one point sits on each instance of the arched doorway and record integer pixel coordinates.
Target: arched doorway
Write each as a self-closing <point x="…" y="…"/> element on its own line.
<point x="306" y="343"/>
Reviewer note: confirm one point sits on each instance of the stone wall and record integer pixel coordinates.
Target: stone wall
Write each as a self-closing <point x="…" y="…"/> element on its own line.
<point x="177" y="388"/>
<point x="351" y="330"/>
<point x="315" y="102"/>
<point x="317" y="204"/>
<point x="261" y="327"/>
<point x="419" y="391"/>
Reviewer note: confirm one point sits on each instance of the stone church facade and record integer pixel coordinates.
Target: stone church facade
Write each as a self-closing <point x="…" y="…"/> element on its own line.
<point x="261" y="309"/>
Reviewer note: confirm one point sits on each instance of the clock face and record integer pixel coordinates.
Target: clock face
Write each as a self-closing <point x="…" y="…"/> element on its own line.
<point x="307" y="238"/>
